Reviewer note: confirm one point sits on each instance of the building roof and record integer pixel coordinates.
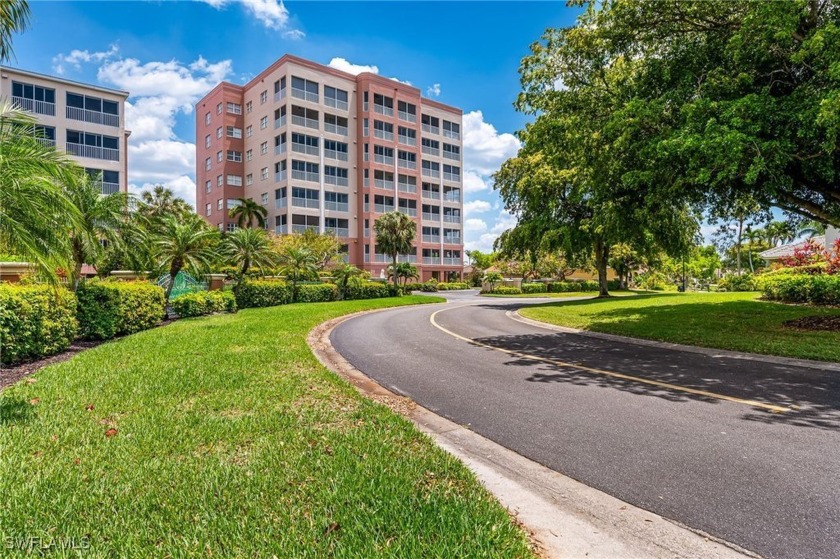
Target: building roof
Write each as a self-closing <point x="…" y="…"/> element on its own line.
<point x="784" y="251"/>
<point x="64" y="81"/>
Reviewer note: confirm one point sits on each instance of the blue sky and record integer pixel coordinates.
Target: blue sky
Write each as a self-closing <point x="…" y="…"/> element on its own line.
<point x="466" y="52"/>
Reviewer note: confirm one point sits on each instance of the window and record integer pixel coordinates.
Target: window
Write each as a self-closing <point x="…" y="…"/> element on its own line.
<point x="208" y="209"/>
<point x="304" y="89"/>
<point x="451" y="130"/>
<point x="264" y="123"/>
<point x="451" y="173"/>
<point x="431" y="124"/>
<point x="263" y="148"/>
<point x="452" y="152"/>
<point x="431" y="169"/>
<point x="208" y="186"/>
<point x="207" y="141"/>
<point x="219" y="109"/>
<point x="334" y="97"/>
<point x="235" y="156"/>
<point x="249" y="106"/>
<point x="264" y="198"/>
<point x="34" y="98"/>
<point x="219" y="156"/>
<point x="234" y="108"/>
<point x="407" y="159"/>
<point x="383" y="155"/>
<point x="249" y="179"/>
<point x="383" y="105"/>
<point x="249" y="155"/>
<point x="365" y="130"/>
<point x="92" y="109"/>
<point x="335" y="175"/>
<point x="207" y="163"/>
<point x="302" y="116"/>
<point x="301" y="143"/>
<point x="335" y="150"/>
<point x="232" y="226"/>
<point x="305" y="197"/>
<point x="97" y="146"/>
<point x="234" y="132"/>
<point x="335" y="124"/>
<point x="219" y="204"/>
<point x="263" y="97"/>
<point x="207" y="119"/>
<point x="219" y="132"/>
<point x="407" y="136"/>
<point x="219" y="180"/>
<point x="302" y="170"/>
<point x="234" y="180"/>
<point x="248" y="131"/>
<point x="406" y="111"/>
<point x="263" y="173"/>
<point x="383" y="130"/>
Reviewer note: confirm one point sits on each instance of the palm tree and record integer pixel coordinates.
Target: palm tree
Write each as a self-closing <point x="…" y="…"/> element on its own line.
<point x="184" y="244"/>
<point x="246" y="248"/>
<point x="160" y="202"/>
<point x="811" y="229"/>
<point x="247" y="211"/>
<point x="101" y="218"/>
<point x="753" y="236"/>
<point x="14" y="18"/>
<point x="34" y="210"/>
<point x="405" y="271"/>
<point x="343" y="275"/>
<point x="297" y="263"/>
<point x="395" y="232"/>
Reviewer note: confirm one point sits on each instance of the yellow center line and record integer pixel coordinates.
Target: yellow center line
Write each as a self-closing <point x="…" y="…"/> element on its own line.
<point x="770" y="407"/>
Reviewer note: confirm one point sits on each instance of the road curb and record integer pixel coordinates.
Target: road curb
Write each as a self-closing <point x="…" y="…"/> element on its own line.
<point x="710" y="352"/>
<point x="565" y="517"/>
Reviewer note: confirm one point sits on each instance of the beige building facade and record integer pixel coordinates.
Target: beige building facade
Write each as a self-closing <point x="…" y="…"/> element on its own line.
<point x="85" y="121"/>
<point x="327" y="150"/>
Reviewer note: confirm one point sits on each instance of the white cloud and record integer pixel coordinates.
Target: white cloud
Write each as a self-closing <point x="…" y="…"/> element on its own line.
<point x="484" y="148"/>
<point x="76" y="57"/>
<point x="475" y="225"/>
<point x="173" y="79"/>
<point x="484" y="240"/>
<point x="294" y="34"/>
<point x="346" y="66"/>
<point x="401" y="81"/>
<point x="273" y="14"/>
<point x="476" y="207"/>
<point x="433" y="90"/>
<point x="473" y="181"/>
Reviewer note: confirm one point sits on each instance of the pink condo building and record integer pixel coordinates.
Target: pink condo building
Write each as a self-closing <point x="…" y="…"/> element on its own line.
<point x="323" y="149"/>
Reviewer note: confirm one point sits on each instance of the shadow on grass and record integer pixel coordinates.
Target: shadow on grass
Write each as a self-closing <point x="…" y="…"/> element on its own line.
<point x="815" y="393"/>
<point x="14" y="411"/>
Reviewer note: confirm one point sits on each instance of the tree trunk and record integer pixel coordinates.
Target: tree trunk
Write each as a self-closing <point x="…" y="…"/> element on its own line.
<point x="394" y="269"/>
<point x="602" y="256"/>
<point x="738" y="245"/>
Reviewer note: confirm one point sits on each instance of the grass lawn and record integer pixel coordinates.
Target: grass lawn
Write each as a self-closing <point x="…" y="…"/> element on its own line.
<point x="561" y="295"/>
<point x="224" y="436"/>
<point x="736" y="321"/>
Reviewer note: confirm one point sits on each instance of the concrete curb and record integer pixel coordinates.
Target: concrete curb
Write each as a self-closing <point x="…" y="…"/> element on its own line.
<point x="711" y="352"/>
<point x="565" y="517"/>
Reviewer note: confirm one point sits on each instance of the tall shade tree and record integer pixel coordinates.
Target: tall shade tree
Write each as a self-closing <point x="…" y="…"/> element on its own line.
<point x="298" y="263"/>
<point x="35" y="213"/>
<point x="395" y="232"/>
<point x="246" y="248"/>
<point x="101" y="218"/>
<point x="247" y="212"/>
<point x="187" y="245"/>
<point x="14" y="18"/>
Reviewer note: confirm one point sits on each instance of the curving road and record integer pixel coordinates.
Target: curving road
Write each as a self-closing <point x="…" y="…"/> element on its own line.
<point x="691" y="437"/>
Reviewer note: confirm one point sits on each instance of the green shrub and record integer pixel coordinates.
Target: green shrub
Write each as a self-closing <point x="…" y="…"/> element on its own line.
<point x="109" y="308"/>
<point x="414" y="286"/>
<point x="35" y="321"/>
<point x="201" y="303"/>
<point x="367" y="290"/>
<point x="262" y="293"/>
<point x="572" y="286"/>
<point x="317" y="292"/>
<point x="733" y="282"/>
<point x="452" y="286"/>
<point x="802" y="288"/>
<point x="655" y="281"/>
<point x="503" y="290"/>
<point x="534" y="288"/>
<point x="429" y="287"/>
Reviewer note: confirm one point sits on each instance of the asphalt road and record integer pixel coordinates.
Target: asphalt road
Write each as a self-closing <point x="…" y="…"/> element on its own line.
<point x="768" y="482"/>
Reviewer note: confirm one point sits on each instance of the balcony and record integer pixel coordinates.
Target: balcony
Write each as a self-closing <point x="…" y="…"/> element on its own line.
<point x="431" y="260"/>
<point x="279" y="150"/>
<point x="279" y="122"/>
<point x="452" y="177"/>
<point x="304" y="148"/>
<point x="381" y="183"/>
<point x="383" y="208"/>
<point x="334" y="154"/>
<point x="109" y="188"/>
<point x="431" y="195"/>
<point x="411" y="212"/>
<point x="367" y="232"/>
<point x="407" y="258"/>
<point x="280" y="95"/>
<point x="431" y="129"/>
<point x="431" y="173"/>
<point x="452" y="239"/>
<point x="452" y="261"/>
<point x="304" y="176"/>
<point x="305" y="122"/>
<point x="405" y="187"/>
<point x="383" y="159"/>
<point x="452" y="196"/>
<point x="431" y="151"/>
<point x="303" y="228"/>
<point x="383" y="110"/>
<point x="406" y="116"/>
<point x="407" y="140"/>
<point x="451" y="218"/>
<point x="33" y="106"/>
<point x="338" y="231"/>
<point x="93" y="152"/>
<point x="431" y="217"/>
<point x="383" y="134"/>
<point x="280" y="203"/>
<point x="333" y="102"/>
<point x="92" y="116"/>
<point x="335" y="129"/>
<point x="46" y="142"/>
<point x="451" y="134"/>
<point x="305" y="203"/>
<point x="431" y="238"/>
<point x="280" y="229"/>
<point x="280" y="176"/>
<point x="381" y="258"/>
<point x="450" y="155"/>
<point x="298" y="93"/>
<point x="337" y="207"/>
<point x="337" y="181"/>
<point x="406" y="164"/>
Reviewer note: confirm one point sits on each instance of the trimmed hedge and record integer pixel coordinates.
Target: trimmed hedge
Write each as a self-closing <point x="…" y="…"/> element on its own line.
<point x="367" y="290"/>
<point x="262" y="293"/>
<point x="744" y="282"/>
<point x="35" y="321"/>
<point x="803" y="288"/>
<point x="503" y="290"/>
<point x="115" y="308"/>
<point x="573" y="286"/>
<point x="534" y="288"/>
<point x="452" y="286"/>
<point x="202" y="303"/>
<point x="317" y="292"/>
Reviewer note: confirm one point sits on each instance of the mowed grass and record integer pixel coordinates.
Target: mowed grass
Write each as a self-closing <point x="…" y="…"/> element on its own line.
<point x="565" y="295"/>
<point x="231" y="440"/>
<point x="735" y="321"/>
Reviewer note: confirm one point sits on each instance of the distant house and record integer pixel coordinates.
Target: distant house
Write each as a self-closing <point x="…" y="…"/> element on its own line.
<point x="777" y="253"/>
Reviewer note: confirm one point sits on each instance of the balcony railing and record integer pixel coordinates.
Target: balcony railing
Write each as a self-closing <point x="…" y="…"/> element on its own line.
<point x="450" y="155"/>
<point x="383" y="208"/>
<point x="383" y="134"/>
<point x="452" y="261"/>
<point x="431" y="173"/>
<point x="367" y="258"/>
<point x="333" y="102"/>
<point x="46" y="142"/>
<point x="431" y="194"/>
<point x="280" y="229"/>
<point x="452" y="177"/>
<point x="304" y="176"/>
<point x="337" y="207"/>
<point x="407" y="140"/>
<point x="338" y="231"/>
<point x="384" y="159"/>
<point x="431" y="151"/>
<point x="335" y="129"/>
<point x="280" y="203"/>
<point x="407" y="116"/>
<point x="431" y="129"/>
<point x="280" y="95"/>
<point x="93" y="152"/>
<point x="451" y="218"/>
<point x="304" y="148"/>
<point x="304" y="121"/>
<point x="381" y="258"/>
<point x="338" y="181"/>
<point x="383" y="110"/>
<point x="33" y="106"/>
<point x="109" y="188"/>
<point x="407" y="258"/>
<point x="431" y="238"/>
<point x="450" y="197"/>
<point x="303" y="228"/>
<point x="431" y="217"/>
<point x="298" y="93"/>
<point x="280" y="176"/>
<point x="380" y="183"/>
<point x="405" y="187"/>
<point x="412" y="212"/>
<point x="95" y="117"/>
<point x="279" y="122"/>
<point x="431" y="260"/>
<point x="452" y="240"/>
<point x="305" y="203"/>
<point x="406" y="164"/>
<point x="280" y="149"/>
<point x="335" y="154"/>
<point x="451" y="134"/>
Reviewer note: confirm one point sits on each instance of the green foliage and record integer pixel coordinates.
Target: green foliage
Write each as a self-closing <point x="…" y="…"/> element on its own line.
<point x="534" y="288"/>
<point x="115" y="308"/>
<point x="200" y="303"/>
<point x="574" y="286"/>
<point x="493" y="278"/>
<point x="247" y="212"/>
<point x="247" y="248"/>
<point x="262" y="293"/>
<point x="317" y="293"/>
<point x="802" y="288"/>
<point x="35" y="321"/>
<point x="502" y="290"/>
<point x="451" y="286"/>
<point x="394" y="232"/>
<point x="734" y="282"/>
<point x="367" y="290"/>
<point x="655" y="280"/>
